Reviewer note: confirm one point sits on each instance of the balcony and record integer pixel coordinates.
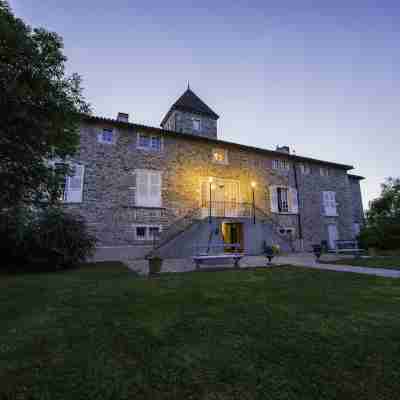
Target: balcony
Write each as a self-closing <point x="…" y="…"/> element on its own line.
<point x="226" y="209"/>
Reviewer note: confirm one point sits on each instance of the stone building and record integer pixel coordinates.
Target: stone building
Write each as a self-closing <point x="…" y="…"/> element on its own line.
<point x="181" y="190"/>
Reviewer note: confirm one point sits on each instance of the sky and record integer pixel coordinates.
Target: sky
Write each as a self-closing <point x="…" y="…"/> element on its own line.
<point x="320" y="76"/>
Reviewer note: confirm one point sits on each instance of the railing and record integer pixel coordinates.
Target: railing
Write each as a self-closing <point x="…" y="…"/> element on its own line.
<point x="347" y="246"/>
<point x="217" y="249"/>
<point x="176" y="228"/>
<point x="226" y="209"/>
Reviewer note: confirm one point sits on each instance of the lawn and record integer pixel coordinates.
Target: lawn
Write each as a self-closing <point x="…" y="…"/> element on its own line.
<point x="373" y="262"/>
<point x="277" y="333"/>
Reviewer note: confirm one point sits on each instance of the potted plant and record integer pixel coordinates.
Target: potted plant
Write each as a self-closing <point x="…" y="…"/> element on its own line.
<point x="271" y="251"/>
<point x="155" y="264"/>
<point x="276" y="249"/>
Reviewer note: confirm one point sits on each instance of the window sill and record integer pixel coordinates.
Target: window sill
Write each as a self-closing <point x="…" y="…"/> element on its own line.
<point x="106" y="143"/>
<point x="284" y="213"/>
<point x="148" y="149"/>
<point x="146" y="207"/>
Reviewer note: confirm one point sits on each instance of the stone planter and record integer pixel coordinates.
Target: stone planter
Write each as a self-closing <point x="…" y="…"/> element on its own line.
<point x="155" y="265"/>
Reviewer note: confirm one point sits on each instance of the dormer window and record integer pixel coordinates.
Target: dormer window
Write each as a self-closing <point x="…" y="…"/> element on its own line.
<point x="106" y="136"/>
<point x="196" y="124"/>
<point x="220" y="156"/>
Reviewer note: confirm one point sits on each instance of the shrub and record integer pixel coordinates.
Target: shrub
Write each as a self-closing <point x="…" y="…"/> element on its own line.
<point x="384" y="234"/>
<point x="47" y="239"/>
<point x="15" y="228"/>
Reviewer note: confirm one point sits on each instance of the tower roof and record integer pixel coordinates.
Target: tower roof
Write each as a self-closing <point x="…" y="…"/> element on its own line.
<point x="190" y="102"/>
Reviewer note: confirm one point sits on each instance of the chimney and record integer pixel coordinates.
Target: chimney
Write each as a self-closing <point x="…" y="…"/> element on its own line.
<point x="283" y="149"/>
<point x="123" y="117"/>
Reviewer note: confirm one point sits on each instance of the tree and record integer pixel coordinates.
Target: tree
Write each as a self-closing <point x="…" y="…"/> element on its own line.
<point x="382" y="229"/>
<point x="40" y="110"/>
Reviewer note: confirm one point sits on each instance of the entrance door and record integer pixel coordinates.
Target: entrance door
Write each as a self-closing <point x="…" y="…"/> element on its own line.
<point x="232" y="233"/>
<point x="332" y="236"/>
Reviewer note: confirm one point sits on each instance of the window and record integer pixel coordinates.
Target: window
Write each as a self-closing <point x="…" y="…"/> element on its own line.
<point x="147" y="232"/>
<point x="72" y="187"/>
<point x="196" y="124"/>
<point x="106" y="136"/>
<point x="149" y="142"/>
<point x="141" y="232"/>
<point x="156" y="143"/>
<point x="148" y="188"/>
<point x="154" y="232"/>
<point x="220" y="156"/>
<point x="280" y="164"/>
<point x="144" y="141"/>
<point x="305" y="169"/>
<point x="329" y="204"/>
<point x="324" y="171"/>
<point x="284" y="199"/>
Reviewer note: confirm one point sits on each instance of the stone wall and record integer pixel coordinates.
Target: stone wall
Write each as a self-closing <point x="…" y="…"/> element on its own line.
<point x="183" y="122"/>
<point x="314" y="222"/>
<point x="358" y="211"/>
<point x="108" y="198"/>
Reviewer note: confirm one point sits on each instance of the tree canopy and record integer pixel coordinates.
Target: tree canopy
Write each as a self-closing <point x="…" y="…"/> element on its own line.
<point x="40" y="109"/>
<point x="382" y="229"/>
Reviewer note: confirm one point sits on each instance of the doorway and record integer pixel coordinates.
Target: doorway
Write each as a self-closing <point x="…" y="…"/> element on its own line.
<point x="232" y="233"/>
<point x="333" y="236"/>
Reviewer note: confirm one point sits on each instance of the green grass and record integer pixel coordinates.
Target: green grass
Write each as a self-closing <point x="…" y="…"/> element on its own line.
<point x="373" y="262"/>
<point x="277" y="333"/>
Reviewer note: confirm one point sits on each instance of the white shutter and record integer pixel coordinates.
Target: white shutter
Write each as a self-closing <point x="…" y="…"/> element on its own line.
<point x="329" y="203"/>
<point x="333" y="203"/>
<point x="273" y="194"/>
<point x="155" y="188"/>
<point x="325" y="203"/>
<point x="142" y="188"/>
<point x="148" y="188"/>
<point x="293" y="201"/>
<point x="74" y="184"/>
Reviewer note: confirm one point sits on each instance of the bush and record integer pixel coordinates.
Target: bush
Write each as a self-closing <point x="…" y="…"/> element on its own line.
<point x="47" y="239"/>
<point x="384" y="234"/>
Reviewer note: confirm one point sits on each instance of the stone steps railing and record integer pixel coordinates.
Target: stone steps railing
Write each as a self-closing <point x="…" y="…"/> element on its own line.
<point x="176" y="228"/>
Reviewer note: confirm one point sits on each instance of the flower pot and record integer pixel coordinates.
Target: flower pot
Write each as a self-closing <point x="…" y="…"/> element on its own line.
<point x="155" y="264"/>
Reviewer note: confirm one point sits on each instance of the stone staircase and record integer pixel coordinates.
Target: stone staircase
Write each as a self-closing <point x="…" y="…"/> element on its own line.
<point x="179" y="226"/>
<point x="193" y="230"/>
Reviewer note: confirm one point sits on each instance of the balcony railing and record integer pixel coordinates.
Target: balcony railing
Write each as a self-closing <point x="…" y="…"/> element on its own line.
<point x="226" y="209"/>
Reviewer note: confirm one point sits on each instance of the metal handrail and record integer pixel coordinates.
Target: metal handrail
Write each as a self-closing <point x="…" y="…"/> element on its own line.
<point x="227" y="208"/>
<point x="177" y="227"/>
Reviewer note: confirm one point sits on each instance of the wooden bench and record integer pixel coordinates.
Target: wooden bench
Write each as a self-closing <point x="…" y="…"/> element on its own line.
<point x="205" y="257"/>
<point x="235" y="257"/>
<point x="348" y="246"/>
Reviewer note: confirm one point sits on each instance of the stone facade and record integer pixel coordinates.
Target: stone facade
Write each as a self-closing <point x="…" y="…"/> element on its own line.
<point x="358" y="213"/>
<point x="185" y="161"/>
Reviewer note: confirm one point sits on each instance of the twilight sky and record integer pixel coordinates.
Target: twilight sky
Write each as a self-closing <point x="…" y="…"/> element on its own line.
<point x="321" y="78"/>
